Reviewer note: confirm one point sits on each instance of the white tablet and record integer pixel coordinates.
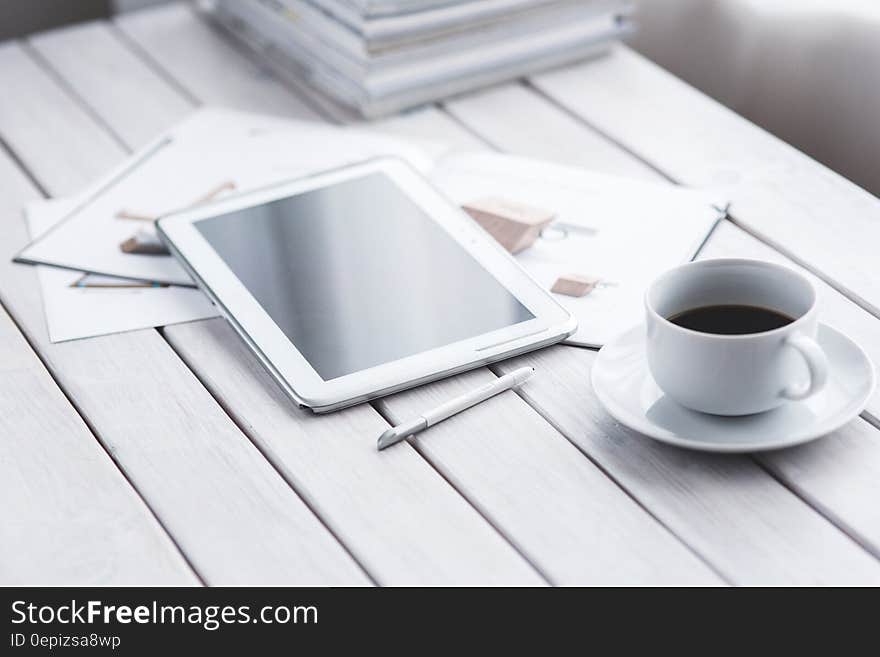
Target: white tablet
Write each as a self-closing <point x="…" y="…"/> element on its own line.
<point x="362" y="281"/>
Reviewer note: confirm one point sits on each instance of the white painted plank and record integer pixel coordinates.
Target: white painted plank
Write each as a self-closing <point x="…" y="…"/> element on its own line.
<point x="212" y="65"/>
<point x="402" y="521"/>
<point x="68" y="517"/>
<point x="78" y="54"/>
<point x="31" y="129"/>
<point x="513" y="118"/>
<point x="777" y="191"/>
<point x="840" y="474"/>
<point x="372" y="502"/>
<point x="430" y="124"/>
<point x="635" y="549"/>
<point x="554" y="504"/>
<point x="230" y="512"/>
<point x="745" y="523"/>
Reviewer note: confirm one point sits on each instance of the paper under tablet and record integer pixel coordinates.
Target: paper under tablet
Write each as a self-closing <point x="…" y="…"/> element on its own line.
<point x="210" y="149"/>
<point x="79" y="305"/>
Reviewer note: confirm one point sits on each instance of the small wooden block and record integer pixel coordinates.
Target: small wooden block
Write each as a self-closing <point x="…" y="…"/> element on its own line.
<point x="143" y="243"/>
<point x="514" y="225"/>
<point x="574" y="285"/>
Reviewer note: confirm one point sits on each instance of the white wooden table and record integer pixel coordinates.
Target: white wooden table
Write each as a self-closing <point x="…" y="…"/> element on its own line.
<point x="168" y="456"/>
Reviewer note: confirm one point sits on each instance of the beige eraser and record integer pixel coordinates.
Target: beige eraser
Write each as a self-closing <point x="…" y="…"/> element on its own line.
<point x="574" y="285"/>
<point x="144" y="243"/>
<point x="514" y="225"/>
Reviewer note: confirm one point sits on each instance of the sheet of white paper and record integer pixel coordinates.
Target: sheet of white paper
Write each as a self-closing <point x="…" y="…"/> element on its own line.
<point x="207" y="151"/>
<point x="90" y="310"/>
<point x="624" y="232"/>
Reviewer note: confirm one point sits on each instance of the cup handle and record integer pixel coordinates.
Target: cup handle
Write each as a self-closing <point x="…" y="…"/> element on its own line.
<point x="817" y="364"/>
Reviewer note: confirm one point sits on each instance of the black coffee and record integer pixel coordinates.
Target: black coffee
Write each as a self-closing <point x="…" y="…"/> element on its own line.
<point x="730" y="320"/>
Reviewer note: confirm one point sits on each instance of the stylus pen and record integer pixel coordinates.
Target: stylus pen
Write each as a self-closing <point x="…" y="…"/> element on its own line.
<point x="454" y="406"/>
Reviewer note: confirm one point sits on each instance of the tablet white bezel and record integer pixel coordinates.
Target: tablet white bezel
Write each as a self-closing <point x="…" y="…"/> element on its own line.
<point x="281" y="357"/>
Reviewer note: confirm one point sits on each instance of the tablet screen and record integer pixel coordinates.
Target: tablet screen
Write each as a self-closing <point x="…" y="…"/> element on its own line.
<point x="357" y="275"/>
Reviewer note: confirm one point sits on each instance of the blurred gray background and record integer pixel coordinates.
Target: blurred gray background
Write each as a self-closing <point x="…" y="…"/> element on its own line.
<point x="806" y="70"/>
<point x="22" y="17"/>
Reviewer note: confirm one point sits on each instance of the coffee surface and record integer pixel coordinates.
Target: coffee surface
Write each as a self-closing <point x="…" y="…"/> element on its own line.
<point x="730" y="319"/>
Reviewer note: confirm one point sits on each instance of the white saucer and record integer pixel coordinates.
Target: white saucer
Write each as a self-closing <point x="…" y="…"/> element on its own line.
<point x="627" y="391"/>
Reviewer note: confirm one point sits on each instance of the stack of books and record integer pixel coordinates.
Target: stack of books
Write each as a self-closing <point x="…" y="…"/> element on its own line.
<point x="381" y="56"/>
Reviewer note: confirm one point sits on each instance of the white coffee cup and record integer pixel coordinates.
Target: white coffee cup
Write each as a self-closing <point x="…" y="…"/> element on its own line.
<point x="734" y="374"/>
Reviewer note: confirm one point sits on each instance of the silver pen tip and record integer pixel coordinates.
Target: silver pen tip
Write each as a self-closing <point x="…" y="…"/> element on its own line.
<point x="386" y="439"/>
